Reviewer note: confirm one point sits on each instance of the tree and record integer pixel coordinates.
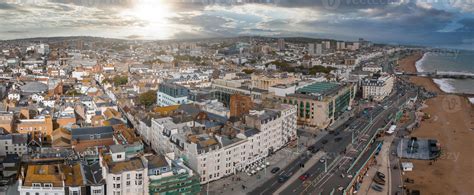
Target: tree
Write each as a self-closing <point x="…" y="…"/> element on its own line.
<point x="248" y="71"/>
<point x="120" y="80"/>
<point x="148" y="98"/>
<point x="73" y="92"/>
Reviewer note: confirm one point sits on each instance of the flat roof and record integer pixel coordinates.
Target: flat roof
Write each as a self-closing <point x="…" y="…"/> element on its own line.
<point x="318" y="87"/>
<point x="44" y="174"/>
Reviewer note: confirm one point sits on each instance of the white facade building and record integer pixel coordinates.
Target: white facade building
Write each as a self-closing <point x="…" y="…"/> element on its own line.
<point x="14" y="96"/>
<point x="13" y="144"/>
<point x="123" y="176"/>
<point x="372" y="68"/>
<point x="217" y="156"/>
<point x="164" y="99"/>
<point x="282" y="90"/>
<point x="377" y="87"/>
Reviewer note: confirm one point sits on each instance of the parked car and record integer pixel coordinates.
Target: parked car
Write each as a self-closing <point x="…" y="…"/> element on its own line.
<point x="304" y="177"/>
<point x="380" y="174"/>
<point x="377" y="187"/>
<point x="311" y="148"/>
<point x="338" y="139"/>
<point x="274" y="170"/>
<point x="379" y="181"/>
<point x="324" y="141"/>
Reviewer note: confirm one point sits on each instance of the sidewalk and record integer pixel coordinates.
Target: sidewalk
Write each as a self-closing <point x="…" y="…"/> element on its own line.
<point x="383" y="166"/>
<point x="312" y="161"/>
<point x="232" y="186"/>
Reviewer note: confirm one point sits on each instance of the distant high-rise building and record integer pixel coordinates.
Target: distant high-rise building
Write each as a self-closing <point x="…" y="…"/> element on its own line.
<point x="319" y="49"/>
<point x="326" y="45"/>
<point x="43" y="49"/>
<point x="340" y="45"/>
<point x="311" y="49"/>
<point x="355" y="46"/>
<point x="79" y="44"/>
<point x="281" y="44"/>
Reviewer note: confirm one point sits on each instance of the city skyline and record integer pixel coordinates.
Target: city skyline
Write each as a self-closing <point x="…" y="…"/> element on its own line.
<point x="439" y="24"/>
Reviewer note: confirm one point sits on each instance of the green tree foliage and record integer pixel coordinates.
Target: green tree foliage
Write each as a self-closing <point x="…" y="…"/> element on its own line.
<point x="148" y="98"/>
<point x="248" y="71"/>
<point x="120" y="80"/>
<point x="150" y="62"/>
<point x="72" y="92"/>
<point x="320" y="69"/>
<point x="284" y="66"/>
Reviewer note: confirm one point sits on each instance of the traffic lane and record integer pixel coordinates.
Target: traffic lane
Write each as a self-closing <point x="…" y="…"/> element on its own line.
<point x="295" y="163"/>
<point x="300" y="187"/>
<point x="334" y="180"/>
<point x="267" y="188"/>
<point x="332" y="149"/>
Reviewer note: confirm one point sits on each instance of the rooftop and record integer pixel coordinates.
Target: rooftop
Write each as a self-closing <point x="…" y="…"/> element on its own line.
<point x="319" y="88"/>
<point x="73" y="175"/>
<point x="132" y="164"/>
<point x="156" y="161"/>
<point x="44" y="174"/>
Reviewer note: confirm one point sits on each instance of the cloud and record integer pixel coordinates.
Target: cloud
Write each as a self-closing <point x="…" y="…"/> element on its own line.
<point x="402" y="21"/>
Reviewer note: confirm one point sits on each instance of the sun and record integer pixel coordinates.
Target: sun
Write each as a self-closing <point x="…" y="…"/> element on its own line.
<point x="155" y="14"/>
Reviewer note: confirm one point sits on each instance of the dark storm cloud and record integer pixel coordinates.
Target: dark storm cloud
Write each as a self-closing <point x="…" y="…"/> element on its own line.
<point x="467" y="26"/>
<point x="5" y="6"/>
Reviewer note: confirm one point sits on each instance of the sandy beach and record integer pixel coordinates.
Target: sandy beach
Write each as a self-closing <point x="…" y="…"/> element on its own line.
<point x="452" y="123"/>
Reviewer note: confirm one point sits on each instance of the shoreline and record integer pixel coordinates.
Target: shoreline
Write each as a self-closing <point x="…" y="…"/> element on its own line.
<point x="450" y="122"/>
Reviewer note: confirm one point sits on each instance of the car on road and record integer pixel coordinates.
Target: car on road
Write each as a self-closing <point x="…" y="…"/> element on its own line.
<point x="322" y="160"/>
<point x="325" y="141"/>
<point x="314" y="151"/>
<point x="337" y="133"/>
<point x="310" y="148"/>
<point x="304" y="177"/>
<point x="337" y="139"/>
<point x="282" y="179"/>
<point x="274" y="170"/>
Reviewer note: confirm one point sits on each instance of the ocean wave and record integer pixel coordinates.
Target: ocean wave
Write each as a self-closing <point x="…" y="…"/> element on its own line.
<point x="419" y="63"/>
<point x="457" y="72"/>
<point x="445" y="85"/>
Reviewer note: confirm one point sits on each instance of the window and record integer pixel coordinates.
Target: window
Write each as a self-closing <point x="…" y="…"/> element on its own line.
<point x="96" y="191"/>
<point x="138" y="182"/>
<point x="139" y="176"/>
<point x="36" y="185"/>
<point x="128" y="183"/>
<point x="48" y="185"/>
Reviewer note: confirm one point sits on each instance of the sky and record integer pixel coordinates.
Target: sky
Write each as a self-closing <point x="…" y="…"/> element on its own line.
<point x="440" y="23"/>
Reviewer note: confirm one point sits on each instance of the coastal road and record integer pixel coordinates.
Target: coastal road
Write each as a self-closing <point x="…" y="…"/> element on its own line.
<point x="339" y="162"/>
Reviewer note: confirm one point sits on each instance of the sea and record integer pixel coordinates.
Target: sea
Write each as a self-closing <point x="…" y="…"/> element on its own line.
<point x="450" y="61"/>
